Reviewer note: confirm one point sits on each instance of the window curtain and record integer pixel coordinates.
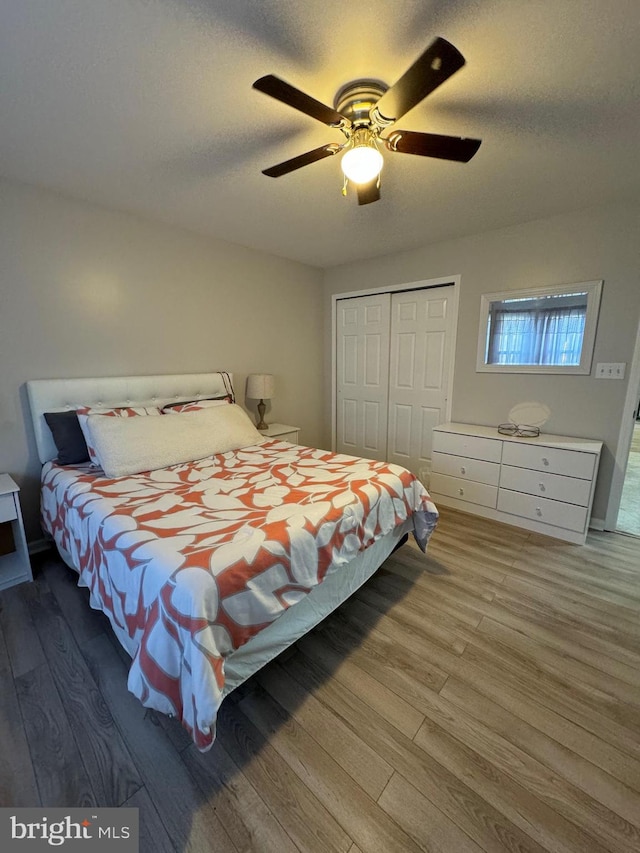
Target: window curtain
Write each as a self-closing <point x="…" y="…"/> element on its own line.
<point x="539" y="336"/>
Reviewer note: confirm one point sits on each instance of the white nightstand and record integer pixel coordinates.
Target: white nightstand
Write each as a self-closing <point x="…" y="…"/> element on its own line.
<point x="285" y="432"/>
<point x="15" y="566"/>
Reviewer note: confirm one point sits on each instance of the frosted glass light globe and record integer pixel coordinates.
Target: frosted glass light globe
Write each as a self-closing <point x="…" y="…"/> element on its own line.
<point x="362" y="164"/>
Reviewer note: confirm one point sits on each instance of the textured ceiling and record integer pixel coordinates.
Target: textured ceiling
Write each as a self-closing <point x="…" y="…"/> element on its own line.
<point x="147" y="106"/>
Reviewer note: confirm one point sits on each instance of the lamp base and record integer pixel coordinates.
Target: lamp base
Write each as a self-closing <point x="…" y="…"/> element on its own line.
<point x="261" y="424"/>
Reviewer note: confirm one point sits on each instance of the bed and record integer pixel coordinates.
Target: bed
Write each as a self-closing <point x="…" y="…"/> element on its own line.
<point x="209" y="567"/>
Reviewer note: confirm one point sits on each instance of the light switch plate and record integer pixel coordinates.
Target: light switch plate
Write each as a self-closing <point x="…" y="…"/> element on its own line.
<point x="610" y="369"/>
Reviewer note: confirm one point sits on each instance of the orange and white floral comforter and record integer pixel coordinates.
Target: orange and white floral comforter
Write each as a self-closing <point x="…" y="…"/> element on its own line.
<point x="190" y="562"/>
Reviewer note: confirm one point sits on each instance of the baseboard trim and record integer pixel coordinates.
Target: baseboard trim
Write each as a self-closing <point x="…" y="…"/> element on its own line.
<point x="596" y="523"/>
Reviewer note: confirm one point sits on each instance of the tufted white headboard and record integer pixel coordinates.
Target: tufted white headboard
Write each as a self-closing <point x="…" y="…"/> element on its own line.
<point x="59" y="395"/>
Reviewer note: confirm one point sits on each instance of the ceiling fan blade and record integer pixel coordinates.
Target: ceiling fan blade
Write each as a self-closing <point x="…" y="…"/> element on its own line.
<point x="281" y="91"/>
<point x="302" y="160"/>
<point x="439" y="61"/>
<point x="433" y="145"/>
<point x="368" y="192"/>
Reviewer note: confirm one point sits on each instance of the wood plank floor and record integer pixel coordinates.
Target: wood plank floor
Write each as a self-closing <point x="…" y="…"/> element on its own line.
<point x="486" y="697"/>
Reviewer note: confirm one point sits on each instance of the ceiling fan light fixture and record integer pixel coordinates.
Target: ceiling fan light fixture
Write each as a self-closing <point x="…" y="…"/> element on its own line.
<point x="364" y="110"/>
<point x="362" y="163"/>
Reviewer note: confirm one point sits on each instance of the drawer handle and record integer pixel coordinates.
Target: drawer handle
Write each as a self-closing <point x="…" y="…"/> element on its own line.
<point x="463" y="470"/>
<point x="545" y="461"/>
<point x="538" y="511"/>
<point x="461" y="491"/>
<point x="542" y="488"/>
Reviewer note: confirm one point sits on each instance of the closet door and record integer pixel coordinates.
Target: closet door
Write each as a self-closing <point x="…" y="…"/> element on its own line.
<point x="420" y="358"/>
<point x="362" y="387"/>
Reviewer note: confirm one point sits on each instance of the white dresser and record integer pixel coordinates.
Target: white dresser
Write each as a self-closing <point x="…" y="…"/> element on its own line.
<point x="544" y="484"/>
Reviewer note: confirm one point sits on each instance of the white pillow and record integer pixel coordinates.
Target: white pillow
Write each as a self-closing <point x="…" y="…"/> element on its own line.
<point x="131" y="445"/>
<point x="120" y="412"/>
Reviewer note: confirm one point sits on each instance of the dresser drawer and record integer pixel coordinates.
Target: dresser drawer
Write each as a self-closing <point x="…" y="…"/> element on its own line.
<point x="550" y="459"/>
<point x="7" y="508"/>
<point x="553" y="486"/>
<point x="466" y="469"/>
<point x="463" y="490"/>
<point x="555" y="513"/>
<point x="467" y="445"/>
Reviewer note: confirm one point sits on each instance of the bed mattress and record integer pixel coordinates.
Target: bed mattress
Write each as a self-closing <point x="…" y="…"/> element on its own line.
<point x="192" y="561"/>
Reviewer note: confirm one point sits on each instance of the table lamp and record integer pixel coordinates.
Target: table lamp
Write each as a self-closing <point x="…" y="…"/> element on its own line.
<point x="260" y="386"/>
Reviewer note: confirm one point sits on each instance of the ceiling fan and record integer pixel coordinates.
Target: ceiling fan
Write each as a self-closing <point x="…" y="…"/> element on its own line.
<point x="364" y="110"/>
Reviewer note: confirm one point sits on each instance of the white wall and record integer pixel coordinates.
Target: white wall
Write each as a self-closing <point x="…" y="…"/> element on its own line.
<point x="600" y="243"/>
<point x="86" y="291"/>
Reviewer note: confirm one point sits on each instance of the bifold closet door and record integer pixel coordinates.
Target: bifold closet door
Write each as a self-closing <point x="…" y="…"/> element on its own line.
<point x="362" y="380"/>
<point x="420" y="359"/>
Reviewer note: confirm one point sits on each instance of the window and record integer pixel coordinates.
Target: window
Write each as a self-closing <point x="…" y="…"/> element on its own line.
<point x="547" y="330"/>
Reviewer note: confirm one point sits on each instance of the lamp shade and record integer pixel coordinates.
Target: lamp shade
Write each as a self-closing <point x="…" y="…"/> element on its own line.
<point x="260" y="386"/>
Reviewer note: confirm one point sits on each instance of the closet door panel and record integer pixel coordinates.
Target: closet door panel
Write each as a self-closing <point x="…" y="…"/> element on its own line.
<point x="349" y="422"/>
<point x="400" y="422"/>
<point x="434" y="361"/>
<point x="362" y="385"/>
<point x="393" y="356"/>
<point x="405" y="361"/>
<point x="420" y="355"/>
<point x="371" y="438"/>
